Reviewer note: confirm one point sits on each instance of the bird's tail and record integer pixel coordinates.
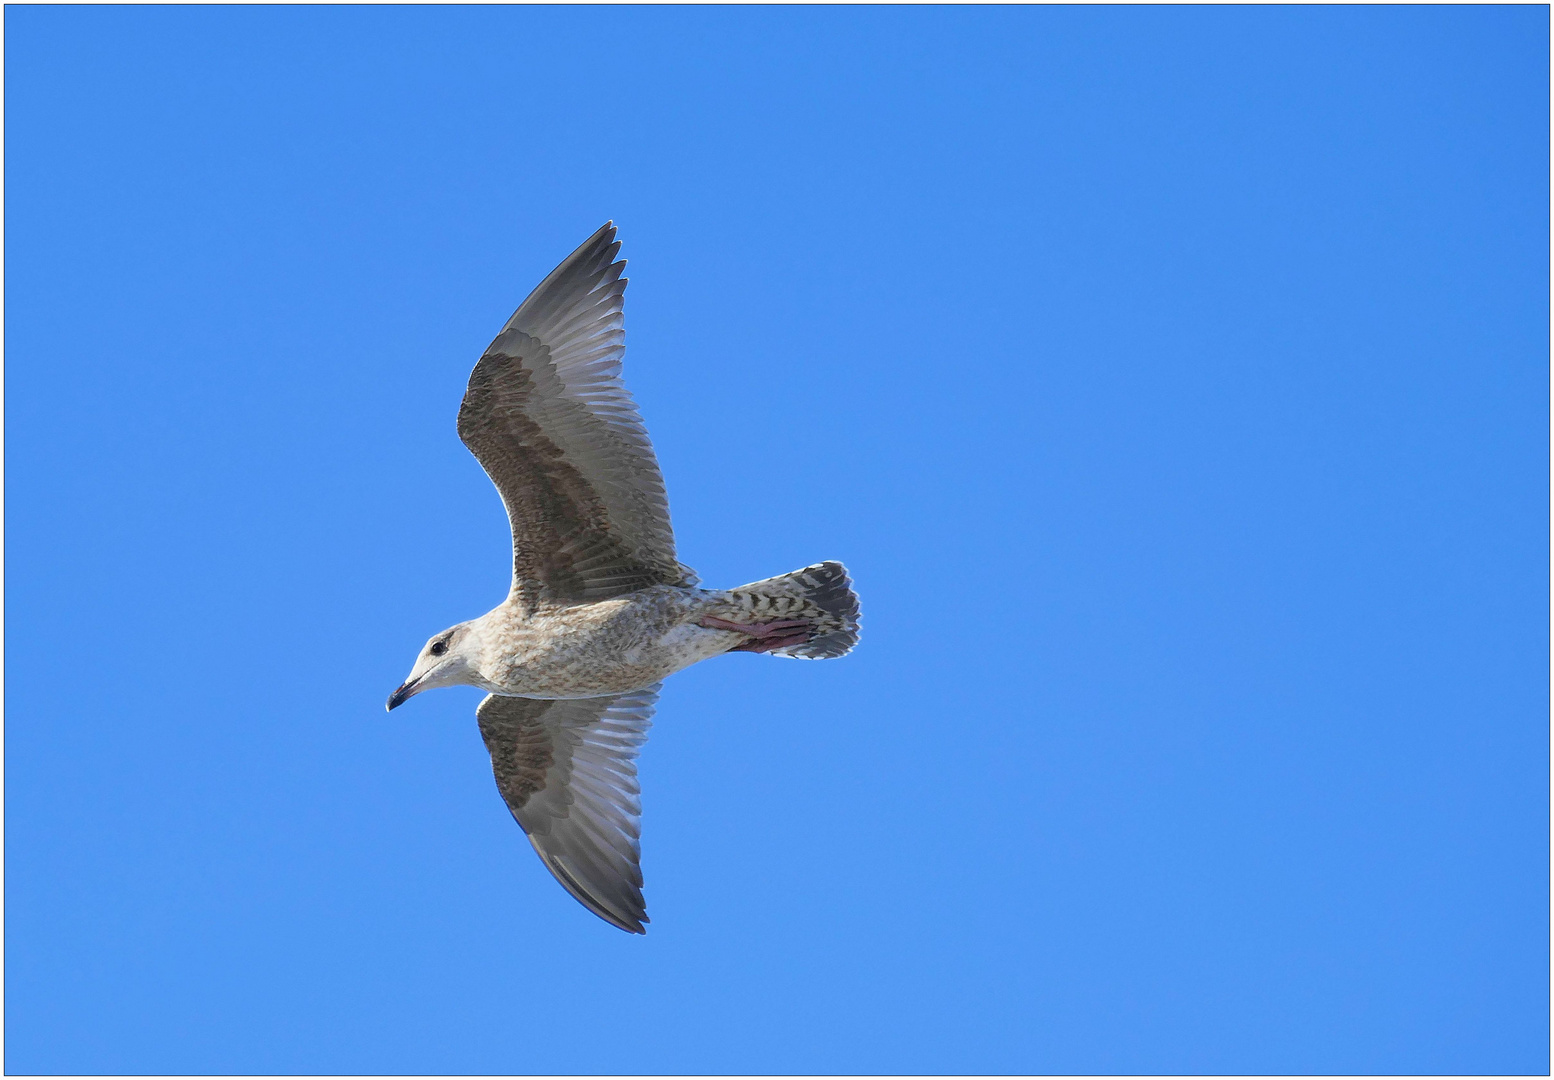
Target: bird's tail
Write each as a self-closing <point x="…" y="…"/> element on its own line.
<point x="821" y="594"/>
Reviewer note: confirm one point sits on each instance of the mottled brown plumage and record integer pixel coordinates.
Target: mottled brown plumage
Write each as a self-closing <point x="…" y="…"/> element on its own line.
<point x="600" y="610"/>
<point x="568" y="772"/>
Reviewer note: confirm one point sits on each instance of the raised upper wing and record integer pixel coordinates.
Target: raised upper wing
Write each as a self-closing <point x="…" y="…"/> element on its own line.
<point x="548" y="418"/>
<point x="568" y="772"/>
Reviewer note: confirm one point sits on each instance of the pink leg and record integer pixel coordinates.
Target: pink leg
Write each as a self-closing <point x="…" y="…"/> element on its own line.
<point x="765" y="636"/>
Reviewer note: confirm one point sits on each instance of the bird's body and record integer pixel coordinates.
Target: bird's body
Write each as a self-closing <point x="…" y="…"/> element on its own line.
<point x="628" y="642"/>
<point x="608" y="647"/>
<point x="600" y="610"/>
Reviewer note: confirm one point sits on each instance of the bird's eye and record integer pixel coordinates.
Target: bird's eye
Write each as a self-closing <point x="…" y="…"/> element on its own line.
<point x="439" y="647"/>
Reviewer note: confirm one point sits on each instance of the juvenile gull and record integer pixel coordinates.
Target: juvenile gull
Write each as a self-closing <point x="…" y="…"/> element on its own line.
<point x="600" y="610"/>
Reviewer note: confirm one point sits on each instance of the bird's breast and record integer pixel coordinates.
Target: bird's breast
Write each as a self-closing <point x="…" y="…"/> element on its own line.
<point x="609" y="647"/>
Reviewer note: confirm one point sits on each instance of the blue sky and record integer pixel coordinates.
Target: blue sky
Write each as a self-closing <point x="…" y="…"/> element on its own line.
<point x="1173" y="381"/>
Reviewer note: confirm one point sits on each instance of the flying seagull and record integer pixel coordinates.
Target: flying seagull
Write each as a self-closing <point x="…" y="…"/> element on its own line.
<point x="600" y="610"/>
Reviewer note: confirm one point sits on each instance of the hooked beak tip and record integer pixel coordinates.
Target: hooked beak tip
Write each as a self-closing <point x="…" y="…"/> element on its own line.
<point x="399" y="697"/>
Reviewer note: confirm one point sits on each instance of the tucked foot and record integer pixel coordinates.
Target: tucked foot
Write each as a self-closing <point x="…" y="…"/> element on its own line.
<point x="764" y="636"/>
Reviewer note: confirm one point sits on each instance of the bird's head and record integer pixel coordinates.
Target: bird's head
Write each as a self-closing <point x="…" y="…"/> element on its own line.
<point x="448" y="659"/>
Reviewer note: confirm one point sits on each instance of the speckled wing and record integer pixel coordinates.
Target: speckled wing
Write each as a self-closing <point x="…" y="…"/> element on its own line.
<point x="568" y="772"/>
<point x="548" y="418"/>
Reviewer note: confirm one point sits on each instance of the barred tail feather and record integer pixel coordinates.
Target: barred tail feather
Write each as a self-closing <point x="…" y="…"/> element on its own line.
<point x="821" y="593"/>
